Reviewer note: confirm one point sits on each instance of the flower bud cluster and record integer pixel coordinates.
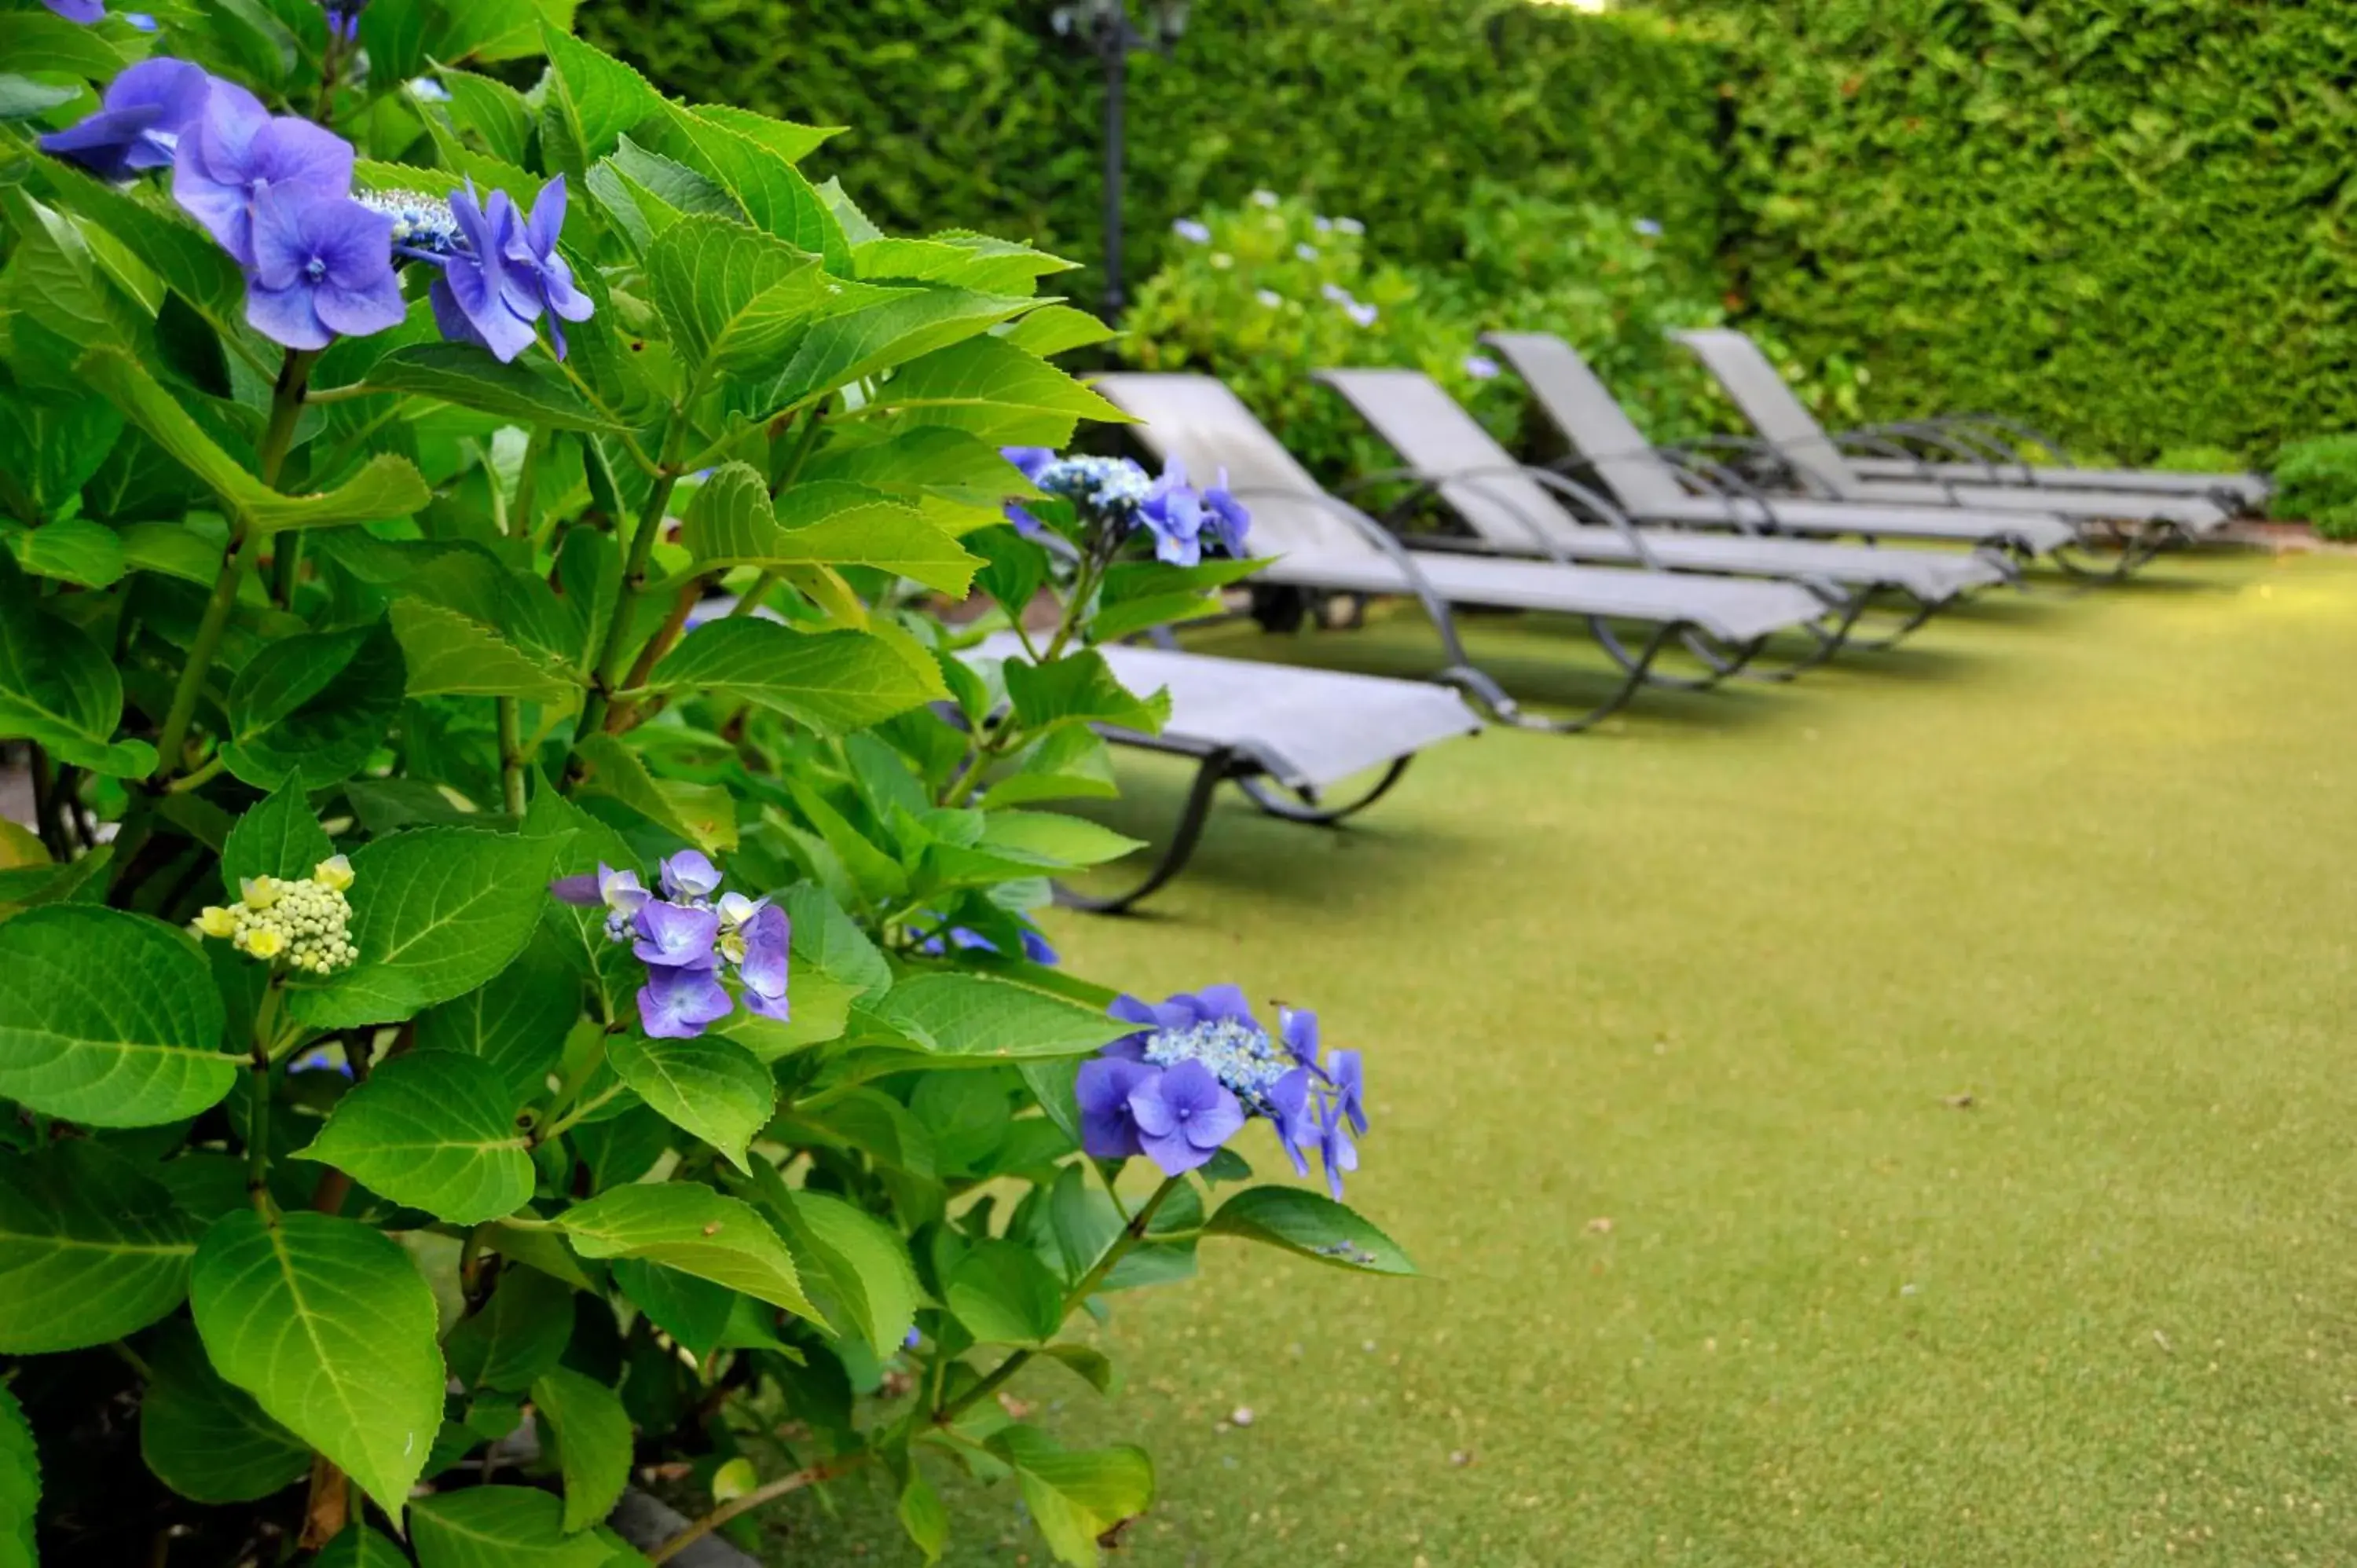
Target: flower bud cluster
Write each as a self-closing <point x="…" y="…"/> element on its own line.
<point x="304" y="925"/>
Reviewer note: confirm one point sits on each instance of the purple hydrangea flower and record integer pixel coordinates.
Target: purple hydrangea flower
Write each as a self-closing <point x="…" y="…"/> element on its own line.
<point x="1108" y="1129"/>
<point x="690" y="873"/>
<point x="1173" y="514"/>
<point x="1481" y="367"/>
<point x="763" y="969"/>
<point x="673" y="935"/>
<point x="139" y="122"/>
<point x="1183" y="1115"/>
<point x="236" y="151"/>
<point x="1193" y="230"/>
<point x="1306" y="251"/>
<point x="477" y="299"/>
<point x="1225" y="522"/>
<point x="1030" y="461"/>
<point x="141" y="20"/>
<point x="1650" y="227"/>
<point x="1294" y="1118"/>
<point x="533" y="260"/>
<point x="1348" y="1074"/>
<point x="344" y="17"/>
<point x="676" y="1003"/>
<point x="1299" y="1028"/>
<point x="1213" y="1005"/>
<point x="1362" y="314"/>
<point x="1335" y="1148"/>
<point x="320" y="267"/>
<point x="82" y="11"/>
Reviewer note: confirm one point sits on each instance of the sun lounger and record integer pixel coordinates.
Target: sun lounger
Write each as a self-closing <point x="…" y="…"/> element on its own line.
<point x="1284" y="734"/>
<point x="1323" y="544"/>
<point x="1663" y="486"/>
<point x="1522" y="510"/>
<point x="1817" y="461"/>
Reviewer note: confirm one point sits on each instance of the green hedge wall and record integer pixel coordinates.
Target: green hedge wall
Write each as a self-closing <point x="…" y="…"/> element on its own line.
<point x="1387" y="110"/>
<point x="2130" y="220"/>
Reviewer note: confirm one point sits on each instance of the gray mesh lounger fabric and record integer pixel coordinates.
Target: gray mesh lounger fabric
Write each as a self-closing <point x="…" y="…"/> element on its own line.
<point x="1513" y="511"/>
<point x="1785" y="423"/>
<point x="1306" y="728"/>
<point x="1320" y="542"/>
<point x="1648" y="488"/>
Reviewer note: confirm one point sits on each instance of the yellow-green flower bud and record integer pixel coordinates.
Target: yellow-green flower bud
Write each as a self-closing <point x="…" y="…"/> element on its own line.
<point x="264" y="941"/>
<point x="216" y="921"/>
<point x="335" y="873"/>
<point x="261" y="892"/>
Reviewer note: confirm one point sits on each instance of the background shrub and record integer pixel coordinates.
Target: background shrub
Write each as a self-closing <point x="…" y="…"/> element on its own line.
<point x="1390" y="110"/>
<point x="2316" y="481"/>
<point x="2129" y="224"/>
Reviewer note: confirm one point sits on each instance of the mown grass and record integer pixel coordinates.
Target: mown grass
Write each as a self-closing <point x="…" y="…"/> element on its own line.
<point x="1903" y="1118"/>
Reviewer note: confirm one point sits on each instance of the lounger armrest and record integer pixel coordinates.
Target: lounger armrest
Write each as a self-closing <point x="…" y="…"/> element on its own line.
<point x="1920" y="440"/>
<point x="1435" y="603"/>
<point x="1582" y="499"/>
<point x="2011" y="434"/>
<point x="1721" y="483"/>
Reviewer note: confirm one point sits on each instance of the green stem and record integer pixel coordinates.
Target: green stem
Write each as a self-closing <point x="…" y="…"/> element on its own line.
<point x="634" y="574"/>
<point x="527" y="490"/>
<point x="751" y="601"/>
<point x="201" y="777"/>
<point x="826" y="1471"/>
<point x="257" y="1114"/>
<point x="277" y="439"/>
<point x="235" y="561"/>
<point x="1124" y="1244"/>
<point x="512" y="757"/>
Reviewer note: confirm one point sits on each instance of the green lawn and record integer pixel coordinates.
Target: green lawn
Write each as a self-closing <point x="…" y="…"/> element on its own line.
<point x="1670" y="1030"/>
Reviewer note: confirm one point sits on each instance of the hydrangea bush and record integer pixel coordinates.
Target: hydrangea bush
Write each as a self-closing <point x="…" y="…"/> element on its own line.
<point x="526" y="965"/>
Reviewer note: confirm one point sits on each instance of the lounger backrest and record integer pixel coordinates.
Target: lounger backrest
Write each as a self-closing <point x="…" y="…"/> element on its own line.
<point x="1203" y="424"/>
<point x="1583" y="406"/>
<point x="1781" y="418"/>
<point x="1438" y="439"/>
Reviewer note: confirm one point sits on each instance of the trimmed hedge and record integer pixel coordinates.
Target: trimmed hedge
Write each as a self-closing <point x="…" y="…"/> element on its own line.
<point x="975" y="114"/>
<point x="2127" y="223"/>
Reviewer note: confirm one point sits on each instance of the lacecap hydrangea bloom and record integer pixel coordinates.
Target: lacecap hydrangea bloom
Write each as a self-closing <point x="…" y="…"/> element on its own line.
<point x="275" y="192"/>
<point x="1199" y="1066"/>
<point x="1116" y="494"/>
<point x="304" y="924"/>
<point x="691" y="940"/>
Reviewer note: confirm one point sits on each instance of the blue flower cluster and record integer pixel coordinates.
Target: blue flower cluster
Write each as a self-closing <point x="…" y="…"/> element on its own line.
<point x="686" y="938"/>
<point x="275" y="192"/>
<point x="1199" y="1066"/>
<point x="1115" y="493"/>
<point x="962" y="938"/>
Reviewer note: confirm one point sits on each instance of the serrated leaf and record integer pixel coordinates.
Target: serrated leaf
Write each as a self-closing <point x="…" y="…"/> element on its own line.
<point x="1054" y="839"/>
<point x="694" y="1230"/>
<point x="108" y="1019"/>
<point x="327" y="1325"/>
<point x="893" y="332"/>
<point x="857" y="1263"/>
<point x="734" y="522"/>
<point x="58" y="688"/>
<point x="709" y="1087"/>
<point x="20" y="1485"/>
<point x="517" y="1336"/>
<point x="277" y="836"/>
<point x="1005" y="1294"/>
<point x="593" y="1443"/>
<point x="388" y="487"/>
<point x="470" y="377"/>
<point x="833" y="682"/>
<point x="1076" y="1495"/>
<point x="517" y="1021"/>
<point x="996" y="392"/>
<point x="312" y="706"/>
<point x="71" y="549"/>
<point x="204" y="1439"/>
<point x="969" y="261"/>
<point x="90" y="1249"/>
<point x="705" y="816"/>
<point x="1054" y="329"/>
<point x="606" y="97"/>
<point x="772" y="192"/>
<point x="168" y="243"/>
<point x="974" y="1015"/>
<point x="1081" y="688"/>
<point x="787" y="139"/>
<point x="448" y="654"/>
<point x="31" y="41"/>
<point x="1311" y="1225"/>
<point x="432" y="1130"/>
<point x="499" y="1527"/>
<point x="435" y="913"/>
<point x="732" y="295"/>
<point x="54" y="273"/>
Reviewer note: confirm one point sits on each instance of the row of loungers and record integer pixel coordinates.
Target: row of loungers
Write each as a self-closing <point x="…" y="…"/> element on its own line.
<point x="1654" y="549"/>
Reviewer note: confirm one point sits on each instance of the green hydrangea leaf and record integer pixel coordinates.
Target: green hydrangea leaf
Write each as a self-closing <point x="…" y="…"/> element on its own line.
<point x="432" y="1130"/>
<point x="90" y="1249"/>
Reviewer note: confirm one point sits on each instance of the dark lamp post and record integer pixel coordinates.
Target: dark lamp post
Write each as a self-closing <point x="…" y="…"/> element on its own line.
<point x="1108" y="28"/>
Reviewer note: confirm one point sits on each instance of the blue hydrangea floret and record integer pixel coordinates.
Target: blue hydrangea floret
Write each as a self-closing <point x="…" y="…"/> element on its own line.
<point x="691" y="939"/>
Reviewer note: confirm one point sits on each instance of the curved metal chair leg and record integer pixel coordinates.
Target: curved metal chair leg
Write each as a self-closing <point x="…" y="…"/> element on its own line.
<point x="1924" y="610"/>
<point x="1610" y="706"/>
<point x="1308" y="809"/>
<point x="1829" y="641"/>
<point x="1216" y="769"/>
<point x="1639" y="663"/>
